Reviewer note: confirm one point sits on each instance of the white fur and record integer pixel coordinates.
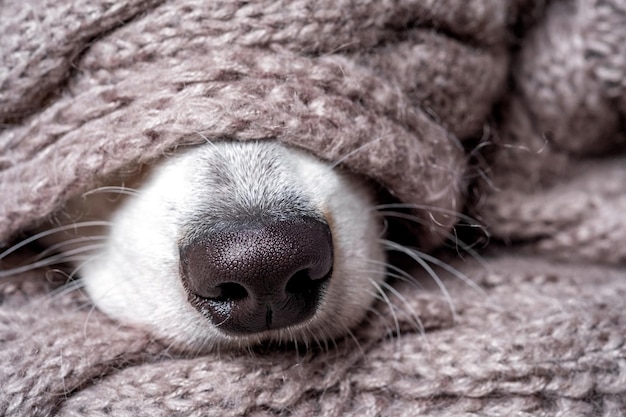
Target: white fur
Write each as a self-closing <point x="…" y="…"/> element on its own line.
<point x="135" y="278"/>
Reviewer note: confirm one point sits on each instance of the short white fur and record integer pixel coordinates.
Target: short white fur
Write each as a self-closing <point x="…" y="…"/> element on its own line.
<point x="135" y="277"/>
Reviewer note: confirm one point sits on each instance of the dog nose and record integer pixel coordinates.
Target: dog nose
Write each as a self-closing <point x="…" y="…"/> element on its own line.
<point x="251" y="278"/>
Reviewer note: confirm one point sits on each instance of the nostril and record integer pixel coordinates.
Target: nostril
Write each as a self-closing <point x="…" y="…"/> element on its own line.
<point x="229" y="291"/>
<point x="301" y="283"/>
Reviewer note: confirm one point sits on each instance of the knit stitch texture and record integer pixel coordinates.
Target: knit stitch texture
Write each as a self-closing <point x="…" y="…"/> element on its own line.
<point x="399" y="91"/>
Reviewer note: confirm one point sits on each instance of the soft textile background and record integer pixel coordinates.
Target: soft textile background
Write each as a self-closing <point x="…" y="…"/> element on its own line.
<point x="396" y="90"/>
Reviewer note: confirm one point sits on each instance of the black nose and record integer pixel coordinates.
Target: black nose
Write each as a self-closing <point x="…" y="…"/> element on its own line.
<point x="251" y="278"/>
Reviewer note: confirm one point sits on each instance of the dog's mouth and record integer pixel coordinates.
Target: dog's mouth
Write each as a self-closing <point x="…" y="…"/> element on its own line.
<point x="252" y="278"/>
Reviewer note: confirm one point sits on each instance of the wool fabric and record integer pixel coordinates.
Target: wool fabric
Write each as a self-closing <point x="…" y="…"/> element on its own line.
<point x="512" y="109"/>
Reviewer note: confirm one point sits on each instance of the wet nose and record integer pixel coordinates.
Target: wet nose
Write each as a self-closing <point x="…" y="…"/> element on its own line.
<point x="252" y="278"/>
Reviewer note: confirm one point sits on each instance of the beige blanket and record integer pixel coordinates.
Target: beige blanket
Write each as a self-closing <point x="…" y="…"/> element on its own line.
<point x="514" y="110"/>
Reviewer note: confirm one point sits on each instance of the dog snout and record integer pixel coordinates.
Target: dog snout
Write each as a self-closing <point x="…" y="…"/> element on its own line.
<point x="249" y="278"/>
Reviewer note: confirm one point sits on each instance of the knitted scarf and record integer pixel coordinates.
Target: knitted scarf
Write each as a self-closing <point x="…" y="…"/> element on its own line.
<point x="512" y="109"/>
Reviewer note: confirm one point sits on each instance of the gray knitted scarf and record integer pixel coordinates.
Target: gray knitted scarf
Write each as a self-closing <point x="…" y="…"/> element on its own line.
<point x="412" y="94"/>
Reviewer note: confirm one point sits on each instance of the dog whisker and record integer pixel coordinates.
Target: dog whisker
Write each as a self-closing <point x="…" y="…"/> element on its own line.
<point x="357" y="150"/>
<point x="419" y="325"/>
<point x="381" y="317"/>
<point x="452" y="237"/>
<point x="469" y="221"/>
<point x="384" y="286"/>
<point x="206" y="140"/>
<point x="417" y="256"/>
<point x="432" y="220"/>
<point x="405" y="216"/>
<point x="392" y="307"/>
<point x="65" y="257"/>
<point x="70" y="278"/>
<point x="473" y="253"/>
<point x="305" y="341"/>
<point x="112" y="189"/>
<point x="399" y="274"/>
<point x="66" y="289"/>
<point x="455" y="272"/>
<point x="48" y="232"/>
<point x="348" y="341"/>
<point x="320" y="345"/>
<point x="78" y="240"/>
